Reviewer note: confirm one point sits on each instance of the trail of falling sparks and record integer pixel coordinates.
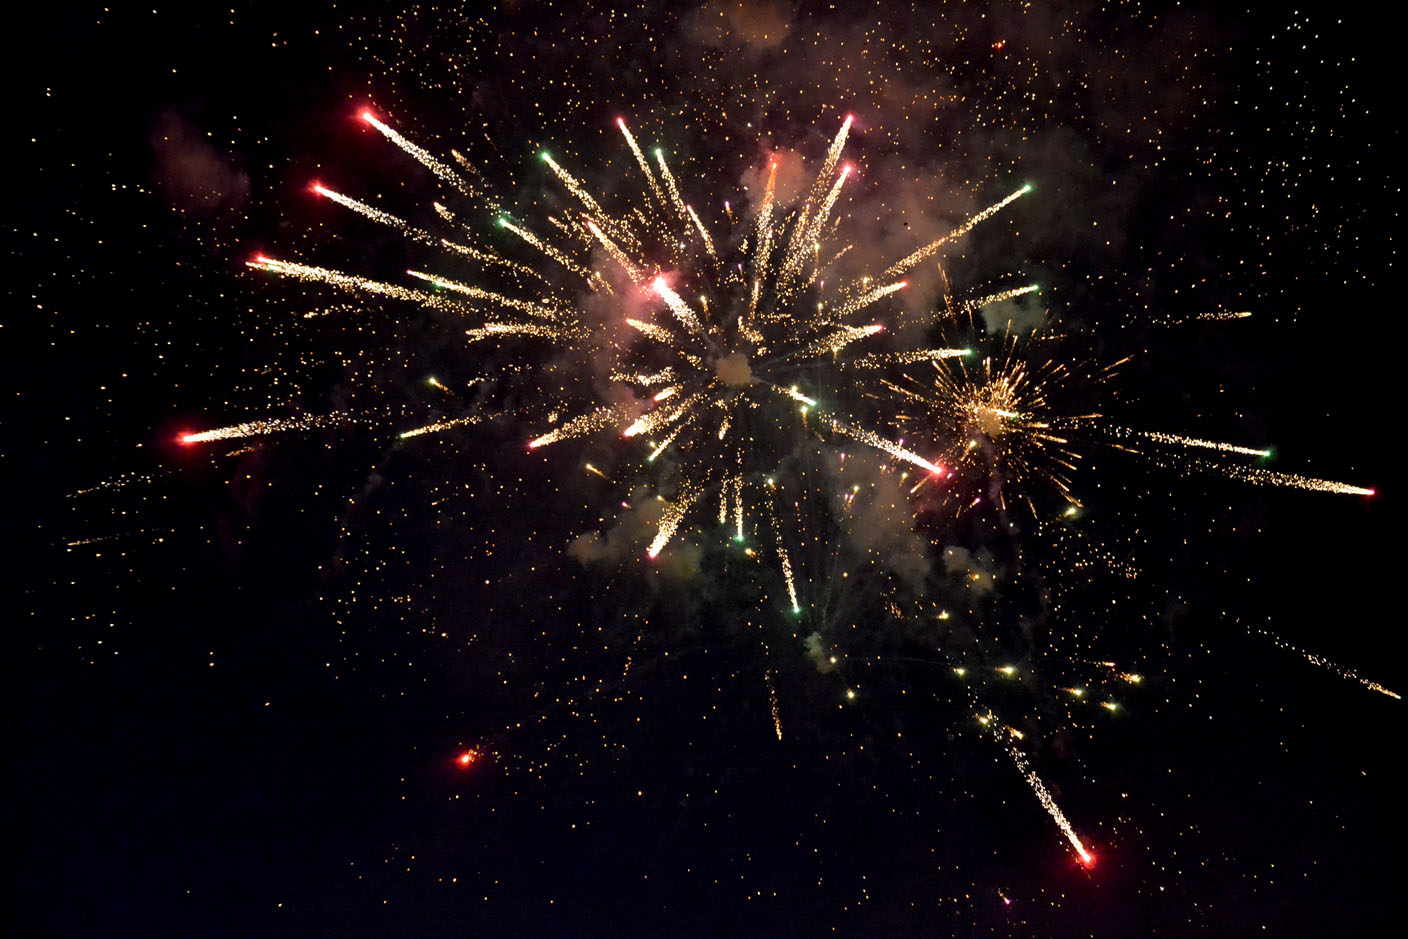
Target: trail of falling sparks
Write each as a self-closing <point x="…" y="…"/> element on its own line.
<point x="438" y="426"/>
<point x="1264" y="477"/>
<point x="1180" y="441"/>
<point x="435" y="166"/>
<point x="1322" y="662"/>
<point x="930" y="249"/>
<point x="260" y="428"/>
<point x="1049" y="803"/>
<point x="377" y="215"/>
<point x="670" y="521"/>
<point x="772" y="700"/>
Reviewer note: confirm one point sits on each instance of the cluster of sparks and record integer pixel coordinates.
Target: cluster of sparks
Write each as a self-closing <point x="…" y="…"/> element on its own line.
<point x="742" y="341"/>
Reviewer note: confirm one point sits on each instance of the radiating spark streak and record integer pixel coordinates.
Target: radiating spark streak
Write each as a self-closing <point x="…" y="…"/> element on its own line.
<point x="799" y="242"/>
<point x="738" y="507"/>
<point x="425" y="158"/>
<point x="805" y="234"/>
<point x="526" y="306"/>
<point x="1049" y="803"/>
<point x="641" y="161"/>
<point x="652" y="421"/>
<point x="590" y="422"/>
<point x="576" y="189"/>
<point x="839" y="339"/>
<point x="1002" y="295"/>
<point x="670" y="521"/>
<point x="438" y="426"/>
<point x="869" y="297"/>
<point x="596" y="472"/>
<point x="879" y="359"/>
<point x="658" y="333"/>
<point x="873" y="439"/>
<point x="1263" y="477"/>
<point x="670" y="186"/>
<point x="1181" y="441"/>
<point x="544" y="247"/>
<point x="536" y="330"/>
<point x="772" y="700"/>
<point x="1340" y="670"/>
<point x="703" y="232"/>
<point x="260" y="428"/>
<point x="307" y="272"/>
<point x="376" y="215"/>
<point x="677" y="306"/>
<point x="490" y="258"/>
<point x="787" y="571"/>
<point x="796" y="395"/>
<point x="760" y="259"/>
<point x="665" y="443"/>
<point x="928" y="250"/>
<point x="615" y="251"/>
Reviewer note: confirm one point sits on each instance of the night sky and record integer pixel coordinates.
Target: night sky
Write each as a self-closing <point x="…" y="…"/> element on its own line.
<point x="243" y="673"/>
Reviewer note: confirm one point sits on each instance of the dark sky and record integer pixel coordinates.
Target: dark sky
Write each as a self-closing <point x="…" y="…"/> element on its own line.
<point x="241" y="675"/>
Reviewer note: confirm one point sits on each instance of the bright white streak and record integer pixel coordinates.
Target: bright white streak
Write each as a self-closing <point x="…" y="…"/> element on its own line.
<point x="426" y="159"/>
<point x="670" y="521"/>
<point x="1177" y="440"/>
<point x="1048" y="803"/>
<point x="901" y="266"/>
<point x="641" y="160"/>
<point x="582" y="424"/>
<point x="376" y="215"/>
<point x="677" y="306"/>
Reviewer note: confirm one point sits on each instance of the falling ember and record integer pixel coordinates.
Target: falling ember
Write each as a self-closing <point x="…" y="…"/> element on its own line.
<point x="1319" y="660"/>
<point x="674" y="514"/>
<point x="1049" y="804"/>
<point x="304" y="422"/>
<point x="1180" y="441"/>
<point x="467" y="758"/>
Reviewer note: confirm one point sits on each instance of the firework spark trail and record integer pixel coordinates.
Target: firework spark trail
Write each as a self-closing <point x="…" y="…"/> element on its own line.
<point x="540" y="310"/>
<point x="1264" y="477"/>
<point x="615" y="251"/>
<point x="544" y="247"/>
<point x="377" y="215"/>
<point x="308" y="273"/>
<point x="670" y="185"/>
<point x="880" y="359"/>
<point x="703" y="233"/>
<point x="438" y="426"/>
<point x="425" y="158"/>
<point x="1180" y="441"/>
<point x="670" y="521"/>
<point x="1340" y="670"/>
<point x="799" y="243"/>
<point x="786" y="564"/>
<point x="641" y="161"/>
<point x="535" y="330"/>
<point x="928" y="250"/>
<point x="260" y="428"/>
<point x="839" y="339"/>
<point x="869" y="297"/>
<point x="593" y="207"/>
<point x="658" y="333"/>
<point x="678" y="307"/>
<point x="772" y="700"/>
<point x="592" y="422"/>
<point x="1049" y="803"/>
<point x="803" y="240"/>
<point x="1001" y="295"/>
<point x="870" y="438"/>
<point x="490" y="258"/>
